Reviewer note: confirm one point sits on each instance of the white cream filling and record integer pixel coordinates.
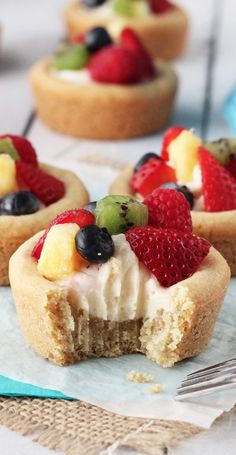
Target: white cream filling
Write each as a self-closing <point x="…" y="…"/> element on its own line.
<point x="119" y="290"/>
<point x="79" y="77"/>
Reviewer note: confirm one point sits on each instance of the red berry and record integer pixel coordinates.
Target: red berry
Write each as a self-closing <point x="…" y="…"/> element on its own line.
<point x="151" y="175"/>
<point x="161" y="6"/>
<point x="168" y="209"/>
<point x="78" y="38"/>
<point x="171" y="134"/>
<point x="231" y="167"/>
<point x="47" y="188"/>
<point x="171" y="255"/>
<point x="79" y="216"/>
<point x="24" y="148"/>
<point x="116" y="65"/>
<point x="131" y="41"/>
<point x="218" y="185"/>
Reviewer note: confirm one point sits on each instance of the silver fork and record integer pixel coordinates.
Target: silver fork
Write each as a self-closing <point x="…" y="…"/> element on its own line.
<point x="221" y="376"/>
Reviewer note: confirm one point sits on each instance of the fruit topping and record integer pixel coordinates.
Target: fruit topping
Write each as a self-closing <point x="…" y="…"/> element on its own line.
<point x="160" y="6"/>
<point x="7" y="148"/>
<point x="151" y="175"/>
<point x="171" y="134"/>
<point x="59" y="257"/>
<point x="78" y="38"/>
<point x="19" y="203"/>
<point x="169" y="254"/>
<point x="47" y="188"/>
<point x="96" y="38"/>
<point x="116" y="65"/>
<point x="133" y="9"/>
<point x="183" y="153"/>
<point x="93" y="3"/>
<point x="71" y="57"/>
<point x="231" y="167"/>
<point x="119" y="213"/>
<point x="182" y="189"/>
<point x="168" y="209"/>
<point x="94" y="244"/>
<point x="144" y="159"/>
<point x="131" y="41"/>
<point x="91" y="206"/>
<point x="218" y="185"/>
<point x="223" y="149"/>
<point x="21" y="149"/>
<point x="8" y="181"/>
<point x="80" y="217"/>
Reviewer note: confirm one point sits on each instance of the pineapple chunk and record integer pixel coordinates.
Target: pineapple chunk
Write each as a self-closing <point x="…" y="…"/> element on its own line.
<point x="8" y="182"/>
<point x="183" y="153"/>
<point x="59" y="257"/>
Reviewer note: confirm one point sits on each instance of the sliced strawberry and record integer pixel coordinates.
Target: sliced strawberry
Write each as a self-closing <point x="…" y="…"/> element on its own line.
<point x="151" y="175"/>
<point x="168" y="209"/>
<point x="115" y="64"/>
<point x="160" y="6"/>
<point x="24" y="148"/>
<point x="218" y="185"/>
<point x="171" y="134"/>
<point x="231" y="167"/>
<point x="78" y="216"/>
<point x="131" y="41"/>
<point x="47" y="188"/>
<point x="78" y="38"/>
<point x="171" y="255"/>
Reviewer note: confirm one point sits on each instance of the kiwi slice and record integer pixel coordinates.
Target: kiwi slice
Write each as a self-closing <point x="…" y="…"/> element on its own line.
<point x="73" y="57"/>
<point x="7" y="147"/>
<point x="223" y="149"/>
<point x="129" y="8"/>
<point x="119" y="213"/>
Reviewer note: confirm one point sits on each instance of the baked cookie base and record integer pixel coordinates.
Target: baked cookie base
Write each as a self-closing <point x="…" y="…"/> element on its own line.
<point x="58" y="329"/>
<point x="15" y="230"/>
<point x="103" y="111"/>
<point x="164" y="35"/>
<point x="218" y="228"/>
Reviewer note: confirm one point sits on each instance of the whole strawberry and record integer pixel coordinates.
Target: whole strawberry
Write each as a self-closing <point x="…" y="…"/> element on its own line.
<point x="171" y="255"/>
<point x="23" y="147"/>
<point x="218" y="185"/>
<point x="168" y="209"/>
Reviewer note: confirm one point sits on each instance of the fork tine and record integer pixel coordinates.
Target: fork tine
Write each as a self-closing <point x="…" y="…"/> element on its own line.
<point x="210" y="375"/>
<point x="210" y="388"/>
<point x="191" y="384"/>
<point x="217" y="366"/>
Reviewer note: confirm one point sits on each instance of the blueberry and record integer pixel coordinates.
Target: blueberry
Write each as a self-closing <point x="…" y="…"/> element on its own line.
<point x="182" y="189"/>
<point x="91" y="206"/>
<point x="94" y="243"/>
<point x="19" y="203"/>
<point x="97" y="38"/>
<point x="93" y="3"/>
<point x="144" y="160"/>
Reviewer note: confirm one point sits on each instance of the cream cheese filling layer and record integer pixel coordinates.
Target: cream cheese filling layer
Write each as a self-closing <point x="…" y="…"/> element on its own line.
<point x="119" y="290"/>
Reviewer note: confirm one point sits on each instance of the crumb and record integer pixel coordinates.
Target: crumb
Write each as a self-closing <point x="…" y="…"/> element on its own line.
<point x="136" y="376"/>
<point x="156" y="388"/>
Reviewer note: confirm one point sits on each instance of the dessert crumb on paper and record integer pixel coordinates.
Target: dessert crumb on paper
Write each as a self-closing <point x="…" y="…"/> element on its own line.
<point x="137" y="376"/>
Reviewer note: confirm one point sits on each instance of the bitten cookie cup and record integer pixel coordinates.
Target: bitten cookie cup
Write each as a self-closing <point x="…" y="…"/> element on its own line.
<point x="14" y="230"/>
<point x="219" y="227"/>
<point x="164" y="35"/>
<point x="57" y="328"/>
<point x="104" y="111"/>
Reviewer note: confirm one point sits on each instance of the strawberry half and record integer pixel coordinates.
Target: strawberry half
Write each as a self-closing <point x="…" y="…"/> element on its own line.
<point x="24" y="148"/>
<point x="116" y="65"/>
<point x="168" y="209"/>
<point x="151" y="175"/>
<point x="131" y="41"/>
<point x="218" y="185"/>
<point x="171" y="255"/>
<point x="81" y="217"/>
<point x="160" y="6"/>
<point x="47" y="188"/>
<point x="171" y="134"/>
<point x="78" y="38"/>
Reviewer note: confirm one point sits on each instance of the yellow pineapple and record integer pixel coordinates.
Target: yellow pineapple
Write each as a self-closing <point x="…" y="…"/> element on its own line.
<point x="8" y="182"/>
<point x="59" y="257"/>
<point x="183" y="153"/>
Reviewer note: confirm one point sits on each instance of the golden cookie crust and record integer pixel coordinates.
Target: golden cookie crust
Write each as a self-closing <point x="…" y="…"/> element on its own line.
<point x="164" y="35"/>
<point x="219" y="228"/>
<point x="104" y="111"/>
<point x="15" y="230"/>
<point x="57" y="329"/>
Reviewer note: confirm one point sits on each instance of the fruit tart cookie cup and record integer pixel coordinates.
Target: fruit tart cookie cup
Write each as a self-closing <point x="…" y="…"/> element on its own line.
<point x="205" y="173"/>
<point x="31" y="195"/>
<point x="100" y="90"/>
<point x="161" y="25"/>
<point x="105" y="283"/>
